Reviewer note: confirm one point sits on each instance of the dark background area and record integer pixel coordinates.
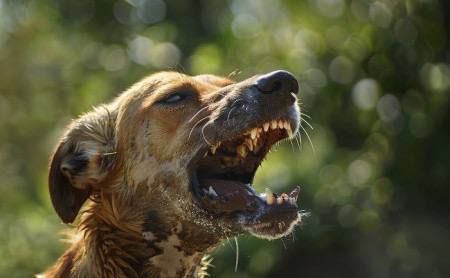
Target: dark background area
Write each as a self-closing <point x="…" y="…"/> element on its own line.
<point x="375" y="82"/>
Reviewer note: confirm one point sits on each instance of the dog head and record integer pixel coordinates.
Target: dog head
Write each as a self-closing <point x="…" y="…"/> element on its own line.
<point x="182" y="148"/>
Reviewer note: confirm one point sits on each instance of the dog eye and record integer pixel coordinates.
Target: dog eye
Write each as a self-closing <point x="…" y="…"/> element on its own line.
<point x="174" y="98"/>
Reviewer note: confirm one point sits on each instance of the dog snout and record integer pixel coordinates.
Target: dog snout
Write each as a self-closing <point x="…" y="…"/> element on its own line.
<point x="277" y="82"/>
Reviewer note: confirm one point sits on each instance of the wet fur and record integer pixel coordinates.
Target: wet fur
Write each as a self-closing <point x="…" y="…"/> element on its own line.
<point x="119" y="164"/>
<point x="120" y="172"/>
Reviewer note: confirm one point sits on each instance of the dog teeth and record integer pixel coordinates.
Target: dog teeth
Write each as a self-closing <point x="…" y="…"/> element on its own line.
<point x="294" y="193"/>
<point x="242" y="150"/>
<point x="279" y="200"/>
<point x="273" y="124"/>
<point x="280" y="124"/>
<point x="215" y="147"/>
<point x="273" y="199"/>
<point x="252" y="143"/>
<point x="212" y="192"/>
<point x="249" y="143"/>
<point x="253" y="133"/>
<point x="289" y="130"/>
<point x="270" y="199"/>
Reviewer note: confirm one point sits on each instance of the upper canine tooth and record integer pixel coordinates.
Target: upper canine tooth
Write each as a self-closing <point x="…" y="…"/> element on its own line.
<point x="214" y="148"/>
<point x="289" y="131"/>
<point x="270" y="199"/>
<point x="266" y="126"/>
<point x="253" y="133"/>
<point x="273" y="124"/>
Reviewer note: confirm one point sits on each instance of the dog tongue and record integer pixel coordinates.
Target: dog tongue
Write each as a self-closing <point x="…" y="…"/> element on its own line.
<point x="228" y="195"/>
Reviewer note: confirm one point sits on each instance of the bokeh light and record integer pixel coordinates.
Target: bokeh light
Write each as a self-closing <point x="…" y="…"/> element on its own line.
<point x="372" y="158"/>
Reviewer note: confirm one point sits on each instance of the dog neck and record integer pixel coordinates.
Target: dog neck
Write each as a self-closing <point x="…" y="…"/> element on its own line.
<point x="116" y="239"/>
<point x="179" y="246"/>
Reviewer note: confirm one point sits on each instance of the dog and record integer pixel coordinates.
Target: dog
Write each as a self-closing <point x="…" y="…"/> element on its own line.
<point x="159" y="177"/>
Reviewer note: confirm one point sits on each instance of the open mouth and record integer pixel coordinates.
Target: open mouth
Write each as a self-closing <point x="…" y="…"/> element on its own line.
<point x="222" y="182"/>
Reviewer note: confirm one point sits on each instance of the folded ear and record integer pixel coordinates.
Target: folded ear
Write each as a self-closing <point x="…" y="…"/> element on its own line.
<point x="81" y="161"/>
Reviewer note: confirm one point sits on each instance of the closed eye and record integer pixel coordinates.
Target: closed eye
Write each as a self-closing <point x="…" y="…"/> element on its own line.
<point x="174" y="98"/>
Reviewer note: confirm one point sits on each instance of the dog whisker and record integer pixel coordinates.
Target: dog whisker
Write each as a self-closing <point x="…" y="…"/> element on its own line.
<point x="306" y="122"/>
<point x="198" y="112"/>
<point x="298" y="143"/>
<point x="234" y="73"/>
<point x="237" y="255"/>
<point x="306" y="115"/>
<point x="199" y="121"/>
<point x="203" y="134"/>
<point x="292" y="146"/>
<point x="229" y="243"/>
<point x="284" y="244"/>
<point x="229" y="114"/>
<point x="309" y="139"/>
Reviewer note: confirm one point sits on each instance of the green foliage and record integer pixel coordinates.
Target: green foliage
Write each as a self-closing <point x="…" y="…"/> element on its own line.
<point x="375" y="80"/>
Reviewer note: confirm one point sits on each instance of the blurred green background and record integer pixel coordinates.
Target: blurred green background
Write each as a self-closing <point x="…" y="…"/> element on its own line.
<point x="375" y="80"/>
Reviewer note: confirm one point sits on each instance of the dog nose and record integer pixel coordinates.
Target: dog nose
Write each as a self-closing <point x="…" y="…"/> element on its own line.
<point x="279" y="81"/>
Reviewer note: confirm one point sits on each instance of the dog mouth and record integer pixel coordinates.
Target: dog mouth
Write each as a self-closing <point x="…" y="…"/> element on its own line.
<point x="222" y="182"/>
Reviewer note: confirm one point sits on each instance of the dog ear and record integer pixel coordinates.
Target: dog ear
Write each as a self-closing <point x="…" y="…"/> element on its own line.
<point x="81" y="161"/>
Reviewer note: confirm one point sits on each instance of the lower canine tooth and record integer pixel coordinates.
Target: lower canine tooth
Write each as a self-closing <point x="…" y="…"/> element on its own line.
<point x="295" y="192"/>
<point x="270" y="199"/>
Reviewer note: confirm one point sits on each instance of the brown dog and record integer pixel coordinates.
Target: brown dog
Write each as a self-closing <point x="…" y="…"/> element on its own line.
<point x="165" y="171"/>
